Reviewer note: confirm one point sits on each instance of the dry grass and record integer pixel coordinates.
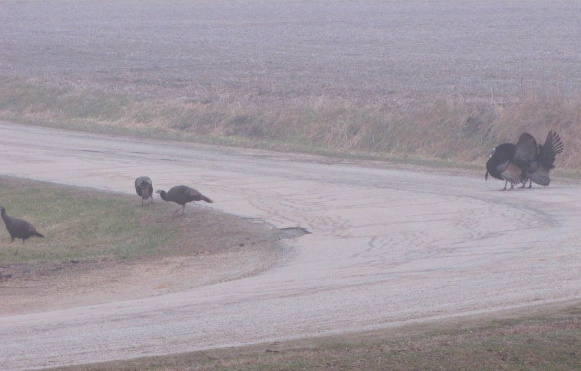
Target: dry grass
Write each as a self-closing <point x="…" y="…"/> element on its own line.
<point x="537" y="113"/>
<point x="453" y="128"/>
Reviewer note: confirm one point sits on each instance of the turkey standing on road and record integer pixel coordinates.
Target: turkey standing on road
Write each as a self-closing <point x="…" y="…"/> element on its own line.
<point x="18" y="228"/>
<point x="537" y="170"/>
<point x="144" y="188"/>
<point x="502" y="165"/>
<point x="182" y="195"/>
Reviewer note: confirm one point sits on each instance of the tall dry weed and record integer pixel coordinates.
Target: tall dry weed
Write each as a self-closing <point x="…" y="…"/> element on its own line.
<point x="537" y="112"/>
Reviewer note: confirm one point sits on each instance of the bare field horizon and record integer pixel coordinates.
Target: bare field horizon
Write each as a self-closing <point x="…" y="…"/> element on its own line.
<point x="437" y="80"/>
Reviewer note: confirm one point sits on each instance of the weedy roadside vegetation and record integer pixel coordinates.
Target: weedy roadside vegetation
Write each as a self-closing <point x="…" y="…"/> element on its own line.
<point x="456" y="128"/>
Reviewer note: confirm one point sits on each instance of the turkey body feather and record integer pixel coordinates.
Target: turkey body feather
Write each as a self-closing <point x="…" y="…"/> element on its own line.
<point x="182" y="195"/>
<point x="144" y="188"/>
<point x="18" y="228"/>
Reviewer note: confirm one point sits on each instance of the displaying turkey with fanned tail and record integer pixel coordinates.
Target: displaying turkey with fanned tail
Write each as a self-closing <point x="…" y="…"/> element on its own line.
<point x="537" y="170"/>
<point x="18" y="228"/>
<point x="182" y="195"/>
<point x="144" y="188"/>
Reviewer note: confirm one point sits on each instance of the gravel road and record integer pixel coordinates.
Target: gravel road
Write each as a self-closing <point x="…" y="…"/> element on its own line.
<point x="389" y="245"/>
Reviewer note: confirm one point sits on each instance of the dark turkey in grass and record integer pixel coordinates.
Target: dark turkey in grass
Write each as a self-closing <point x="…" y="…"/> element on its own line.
<point x="18" y="228"/>
<point x="181" y="195"/>
<point x="144" y="188"/>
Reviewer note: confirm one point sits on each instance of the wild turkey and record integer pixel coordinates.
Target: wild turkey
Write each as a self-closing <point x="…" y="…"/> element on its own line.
<point x="538" y="168"/>
<point x="182" y="195"/>
<point x="526" y="150"/>
<point x="18" y="228"/>
<point x="144" y="188"/>
<point x="507" y="160"/>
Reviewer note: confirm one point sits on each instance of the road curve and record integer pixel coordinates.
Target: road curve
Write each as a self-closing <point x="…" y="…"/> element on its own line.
<point x="388" y="246"/>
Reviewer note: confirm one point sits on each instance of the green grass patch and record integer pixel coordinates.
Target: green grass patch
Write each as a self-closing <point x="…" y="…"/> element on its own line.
<point x="80" y="224"/>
